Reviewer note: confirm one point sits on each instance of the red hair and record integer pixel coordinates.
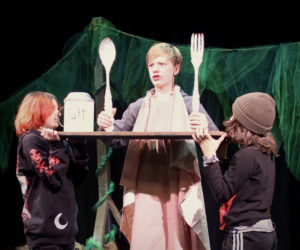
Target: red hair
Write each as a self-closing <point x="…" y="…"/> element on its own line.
<point x="34" y="110"/>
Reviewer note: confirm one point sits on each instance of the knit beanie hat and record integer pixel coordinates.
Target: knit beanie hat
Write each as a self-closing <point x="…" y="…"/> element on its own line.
<point x="255" y="111"/>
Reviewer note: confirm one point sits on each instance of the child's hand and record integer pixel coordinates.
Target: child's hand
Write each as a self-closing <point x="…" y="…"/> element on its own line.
<point x="197" y="120"/>
<point x="207" y="144"/>
<point x="49" y="134"/>
<point x="105" y="120"/>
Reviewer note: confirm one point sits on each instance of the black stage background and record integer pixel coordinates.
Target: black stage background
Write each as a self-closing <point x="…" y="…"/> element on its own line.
<point x="33" y="40"/>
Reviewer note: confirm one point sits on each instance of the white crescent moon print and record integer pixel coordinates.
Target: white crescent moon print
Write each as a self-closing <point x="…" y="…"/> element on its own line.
<point x="57" y="223"/>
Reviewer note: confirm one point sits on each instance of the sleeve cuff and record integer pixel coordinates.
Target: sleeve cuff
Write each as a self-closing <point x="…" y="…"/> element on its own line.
<point x="207" y="160"/>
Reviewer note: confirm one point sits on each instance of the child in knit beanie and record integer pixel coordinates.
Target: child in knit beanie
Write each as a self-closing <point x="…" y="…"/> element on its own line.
<point x="245" y="190"/>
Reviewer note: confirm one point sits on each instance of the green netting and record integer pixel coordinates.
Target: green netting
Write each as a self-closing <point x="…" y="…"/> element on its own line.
<point x="227" y="73"/>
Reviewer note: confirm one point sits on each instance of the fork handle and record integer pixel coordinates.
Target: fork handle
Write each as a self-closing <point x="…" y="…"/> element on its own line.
<point x="196" y="96"/>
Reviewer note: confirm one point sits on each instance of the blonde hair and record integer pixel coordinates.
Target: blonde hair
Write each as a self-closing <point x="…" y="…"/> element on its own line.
<point x="167" y="49"/>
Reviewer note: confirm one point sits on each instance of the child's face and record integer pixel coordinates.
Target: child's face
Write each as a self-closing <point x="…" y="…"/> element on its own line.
<point x="53" y="120"/>
<point x="162" y="71"/>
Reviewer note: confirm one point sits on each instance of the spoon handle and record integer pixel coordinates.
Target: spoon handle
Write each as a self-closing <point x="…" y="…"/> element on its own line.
<point x="108" y="99"/>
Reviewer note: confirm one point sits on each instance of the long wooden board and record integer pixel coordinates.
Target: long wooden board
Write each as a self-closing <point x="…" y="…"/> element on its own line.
<point x="136" y="135"/>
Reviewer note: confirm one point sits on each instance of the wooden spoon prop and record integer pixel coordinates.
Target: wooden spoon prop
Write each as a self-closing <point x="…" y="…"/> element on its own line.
<point x="107" y="53"/>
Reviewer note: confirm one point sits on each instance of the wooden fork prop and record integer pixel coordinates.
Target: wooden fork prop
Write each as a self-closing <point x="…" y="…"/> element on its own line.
<point x="197" y="50"/>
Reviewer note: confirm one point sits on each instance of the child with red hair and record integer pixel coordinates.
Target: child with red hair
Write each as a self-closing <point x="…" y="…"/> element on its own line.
<point x="46" y="171"/>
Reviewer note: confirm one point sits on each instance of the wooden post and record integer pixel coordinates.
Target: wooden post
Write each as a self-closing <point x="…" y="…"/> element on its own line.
<point x="103" y="175"/>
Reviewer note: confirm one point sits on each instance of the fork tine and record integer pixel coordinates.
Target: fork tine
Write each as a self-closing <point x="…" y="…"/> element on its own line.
<point x="202" y="43"/>
<point x="195" y="43"/>
<point x="202" y="40"/>
<point x="192" y="43"/>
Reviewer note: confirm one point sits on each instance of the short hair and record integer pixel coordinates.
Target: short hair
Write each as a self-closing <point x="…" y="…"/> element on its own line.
<point x="34" y="110"/>
<point x="172" y="52"/>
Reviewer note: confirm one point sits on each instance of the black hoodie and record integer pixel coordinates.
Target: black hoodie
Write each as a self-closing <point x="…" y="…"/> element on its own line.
<point x="43" y="170"/>
<point x="245" y="190"/>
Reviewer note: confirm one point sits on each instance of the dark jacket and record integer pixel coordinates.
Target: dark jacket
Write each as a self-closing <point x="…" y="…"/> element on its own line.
<point x="130" y="115"/>
<point x="44" y="172"/>
<point x="246" y="188"/>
